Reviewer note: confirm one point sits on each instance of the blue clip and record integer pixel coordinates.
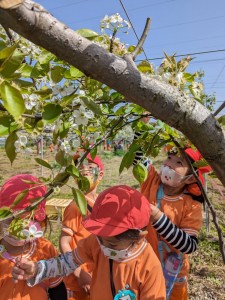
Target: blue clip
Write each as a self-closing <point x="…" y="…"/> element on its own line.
<point x="125" y="295"/>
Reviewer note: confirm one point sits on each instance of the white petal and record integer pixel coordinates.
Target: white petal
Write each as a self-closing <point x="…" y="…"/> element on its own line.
<point x="32" y="229"/>
<point x="26" y="232"/>
<point x="38" y="234"/>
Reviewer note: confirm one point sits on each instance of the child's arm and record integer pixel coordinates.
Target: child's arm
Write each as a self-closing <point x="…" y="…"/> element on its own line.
<point x="177" y="238"/>
<point x="36" y="272"/>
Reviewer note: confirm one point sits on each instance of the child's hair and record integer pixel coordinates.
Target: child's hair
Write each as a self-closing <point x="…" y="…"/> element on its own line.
<point x="117" y="210"/>
<point x="130" y="234"/>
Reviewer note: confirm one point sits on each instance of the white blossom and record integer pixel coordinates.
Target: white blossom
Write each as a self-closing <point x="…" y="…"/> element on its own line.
<point x="62" y="91"/>
<point x="32" y="232"/>
<point x="82" y="116"/>
<point x="179" y="77"/>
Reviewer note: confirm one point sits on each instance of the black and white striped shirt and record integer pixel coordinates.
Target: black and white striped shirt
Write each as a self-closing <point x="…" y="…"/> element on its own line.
<point x="176" y="237"/>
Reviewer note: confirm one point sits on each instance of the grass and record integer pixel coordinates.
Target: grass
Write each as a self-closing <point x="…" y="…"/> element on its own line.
<point x="207" y="274"/>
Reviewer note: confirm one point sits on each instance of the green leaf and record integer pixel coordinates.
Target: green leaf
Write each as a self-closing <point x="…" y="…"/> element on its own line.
<point x="67" y="100"/>
<point x="64" y="129"/>
<point x="40" y="70"/>
<point x="23" y="83"/>
<point x="12" y="100"/>
<point x="91" y="105"/>
<point x="75" y="73"/>
<point x="40" y="125"/>
<point x="20" y="197"/>
<point x="73" y="171"/>
<point x="92" y="129"/>
<point x="145" y="67"/>
<point x="7" y="52"/>
<point x="87" y="33"/>
<point x="5" y="212"/>
<point x="80" y="201"/>
<point x="93" y="152"/>
<point x="83" y="184"/>
<point x="7" y="125"/>
<point x="200" y="163"/>
<point x="10" y="148"/>
<point x="63" y="159"/>
<point x="61" y="179"/>
<point x="221" y="120"/>
<point x="26" y="71"/>
<point x="128" y="157"/>
<point x="140" y="173"/>
<point x="12" y="63"/>
<point x="51" y="112"/>
<point x="57" y="74"/>
<point x="43" y="163"/>
<point x="44" y="91"/>
<point x="45" y="57"/>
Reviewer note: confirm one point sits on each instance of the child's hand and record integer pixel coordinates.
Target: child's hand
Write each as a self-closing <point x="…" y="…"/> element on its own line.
<point x="83" y="279"/>
<point x="155" y="213"/>
<point x="24" y="269"/>
<point x="145" y="118"/>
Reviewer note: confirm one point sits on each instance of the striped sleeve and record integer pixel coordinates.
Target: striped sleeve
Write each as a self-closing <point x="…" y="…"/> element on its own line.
<point x="176" y="237"/>
<point x="139" y="155"/>
<point x="62" y="265"/>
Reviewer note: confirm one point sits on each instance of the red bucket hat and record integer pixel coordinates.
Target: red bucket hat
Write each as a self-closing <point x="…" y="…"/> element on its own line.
<point x="195" y="155"/>
<point x="15" y="185"/>
<point x="116" y="210"/>
<point x="96" y="160"/>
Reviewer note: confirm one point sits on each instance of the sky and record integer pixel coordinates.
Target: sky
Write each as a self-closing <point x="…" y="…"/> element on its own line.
<point x="177" y="26"/>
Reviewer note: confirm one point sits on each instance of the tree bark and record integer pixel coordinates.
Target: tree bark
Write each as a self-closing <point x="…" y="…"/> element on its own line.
<point x="165" y="102"/>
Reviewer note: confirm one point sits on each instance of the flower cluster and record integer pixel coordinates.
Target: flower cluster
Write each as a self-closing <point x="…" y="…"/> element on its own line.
<point x="114" y="23"/>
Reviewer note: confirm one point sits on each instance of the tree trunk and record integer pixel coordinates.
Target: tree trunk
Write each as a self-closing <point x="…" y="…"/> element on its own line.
<point x="165" y="102"/>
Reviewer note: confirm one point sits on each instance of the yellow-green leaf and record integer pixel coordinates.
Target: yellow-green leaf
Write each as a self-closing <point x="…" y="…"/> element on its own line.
<point x="12" y="100"/>
<point x="140" y="173"/>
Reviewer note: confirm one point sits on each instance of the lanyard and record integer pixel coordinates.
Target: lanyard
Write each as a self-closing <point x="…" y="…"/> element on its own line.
<point x="111" y="278"/>
<point x="163" y="246"/>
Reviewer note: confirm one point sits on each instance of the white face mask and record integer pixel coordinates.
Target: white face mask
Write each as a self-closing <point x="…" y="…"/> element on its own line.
<point x="117" y="255"/>
<point x="170" y="177"/>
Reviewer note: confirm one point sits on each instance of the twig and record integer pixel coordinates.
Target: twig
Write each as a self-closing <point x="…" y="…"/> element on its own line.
<point x="142" y="39"/>
<point x="219" y="109"/>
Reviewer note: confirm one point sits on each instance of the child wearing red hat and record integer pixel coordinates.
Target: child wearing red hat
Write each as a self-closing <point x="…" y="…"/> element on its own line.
<point x="125" y="266"/>
<point x="22" y="237"/>
<point x="176" y="219"/>
<point x="78" y="283"/>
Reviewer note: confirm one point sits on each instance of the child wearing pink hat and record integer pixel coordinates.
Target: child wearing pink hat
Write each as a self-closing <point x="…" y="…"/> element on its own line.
<point x="78" y="283"/>
<point x="125" y="266"/>
<point x="22" y="237"/>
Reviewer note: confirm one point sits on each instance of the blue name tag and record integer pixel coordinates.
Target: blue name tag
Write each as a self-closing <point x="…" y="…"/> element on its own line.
<point x="125" y="295"/>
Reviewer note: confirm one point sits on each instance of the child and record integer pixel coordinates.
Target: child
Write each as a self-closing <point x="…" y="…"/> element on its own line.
<point x="16" y="241"/>
<point x="78" y="284"/>
<point x="176" y="219"/>
<point x="124" y="265"/>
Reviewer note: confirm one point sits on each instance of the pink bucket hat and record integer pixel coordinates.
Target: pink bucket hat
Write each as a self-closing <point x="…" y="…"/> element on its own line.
<point x="15" y="185"/>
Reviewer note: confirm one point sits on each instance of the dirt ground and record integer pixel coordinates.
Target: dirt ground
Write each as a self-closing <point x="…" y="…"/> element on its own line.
<point x="207" y="275"/>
